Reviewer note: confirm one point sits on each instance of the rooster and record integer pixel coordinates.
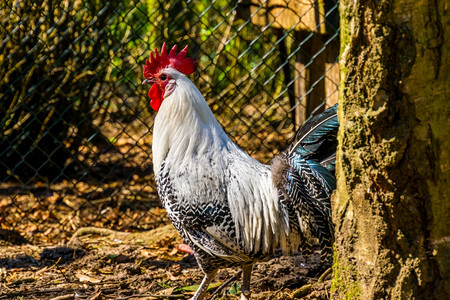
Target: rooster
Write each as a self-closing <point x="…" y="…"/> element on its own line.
<point x="229" y="208"/>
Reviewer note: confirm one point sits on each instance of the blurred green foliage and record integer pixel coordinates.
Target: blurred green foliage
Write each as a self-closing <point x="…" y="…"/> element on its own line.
<point x="58" y="70"/>
<point x="68" y="67"/>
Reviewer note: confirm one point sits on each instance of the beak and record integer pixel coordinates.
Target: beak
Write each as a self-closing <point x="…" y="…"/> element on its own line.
<point x="147" y="81"/>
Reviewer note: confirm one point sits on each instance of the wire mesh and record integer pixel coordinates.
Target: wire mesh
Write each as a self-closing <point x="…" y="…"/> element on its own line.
<point x="76" y="126"/>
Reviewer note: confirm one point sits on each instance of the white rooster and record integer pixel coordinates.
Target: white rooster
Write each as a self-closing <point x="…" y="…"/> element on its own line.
<point x="229" y="208"/>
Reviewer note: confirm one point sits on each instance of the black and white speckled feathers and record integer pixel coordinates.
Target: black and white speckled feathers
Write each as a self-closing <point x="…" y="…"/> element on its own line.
<point x="228" y="207"/>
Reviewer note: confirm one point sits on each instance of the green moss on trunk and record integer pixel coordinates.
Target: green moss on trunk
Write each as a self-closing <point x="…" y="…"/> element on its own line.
<point x="391" y="208"/>
<point x="345" y="282"/>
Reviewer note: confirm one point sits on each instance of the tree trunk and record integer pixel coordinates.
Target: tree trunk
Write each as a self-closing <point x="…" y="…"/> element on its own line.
<point x="392" y="208"/>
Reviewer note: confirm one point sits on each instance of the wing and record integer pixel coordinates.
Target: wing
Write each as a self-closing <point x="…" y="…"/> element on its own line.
<point x="196" y="201"/>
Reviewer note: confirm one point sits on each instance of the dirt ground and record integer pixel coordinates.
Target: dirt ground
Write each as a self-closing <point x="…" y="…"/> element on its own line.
<point x="104" y="264"/>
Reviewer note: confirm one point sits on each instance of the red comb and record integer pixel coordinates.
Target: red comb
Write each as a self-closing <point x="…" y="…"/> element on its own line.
<point x="180" y="62"/>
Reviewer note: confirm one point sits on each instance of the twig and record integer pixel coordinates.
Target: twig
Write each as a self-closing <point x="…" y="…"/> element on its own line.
<point x="64" y="275"/>
<point x="178" y="296"/>
<point x="110" y="283"/>
<point x="223" y="285"/>
<point x="64" y="297"/>
<point x="325" y="274"/>
<point x="52" y="290"/>
<point x="23" y="280"/>
<point x="303" y="291"/>
<point x="94" y="297"/>
<point x="47" y="268"/>
<point x="45" y="291"/>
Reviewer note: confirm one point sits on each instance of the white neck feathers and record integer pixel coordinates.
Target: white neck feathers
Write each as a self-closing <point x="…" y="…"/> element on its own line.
<point x="185" y="126"/>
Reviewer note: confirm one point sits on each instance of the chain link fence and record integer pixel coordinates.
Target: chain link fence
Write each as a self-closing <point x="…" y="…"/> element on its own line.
<point x="76" y="126"/>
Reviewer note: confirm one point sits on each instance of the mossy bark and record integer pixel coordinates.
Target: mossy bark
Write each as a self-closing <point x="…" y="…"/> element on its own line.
<point x="392" y="209"/>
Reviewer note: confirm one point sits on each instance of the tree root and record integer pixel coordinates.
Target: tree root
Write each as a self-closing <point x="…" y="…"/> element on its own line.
<point x="146" y="237"/>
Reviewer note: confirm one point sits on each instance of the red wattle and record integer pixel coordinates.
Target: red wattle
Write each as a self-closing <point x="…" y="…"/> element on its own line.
<point x="156" y="96"/>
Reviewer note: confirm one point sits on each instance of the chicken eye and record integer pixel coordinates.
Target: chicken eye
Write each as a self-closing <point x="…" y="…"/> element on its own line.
<point x="163" y="77"/>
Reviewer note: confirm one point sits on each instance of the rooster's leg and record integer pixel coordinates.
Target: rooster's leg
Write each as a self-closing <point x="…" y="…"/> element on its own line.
<point x="246" y="274"/>
<point x="200" y="293"/>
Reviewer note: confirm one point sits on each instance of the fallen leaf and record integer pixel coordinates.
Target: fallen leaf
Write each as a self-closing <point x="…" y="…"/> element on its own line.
<point x="86" y="278"/>
<point x="173" y="252"/>
<point x="166" y="292"/>
<point x="171" y="276"/>
<point x="106" y="270"/>
<point x="235" y="288"/>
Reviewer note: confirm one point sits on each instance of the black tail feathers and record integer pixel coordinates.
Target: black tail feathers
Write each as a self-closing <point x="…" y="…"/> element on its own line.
<point x="304" y="173"/>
